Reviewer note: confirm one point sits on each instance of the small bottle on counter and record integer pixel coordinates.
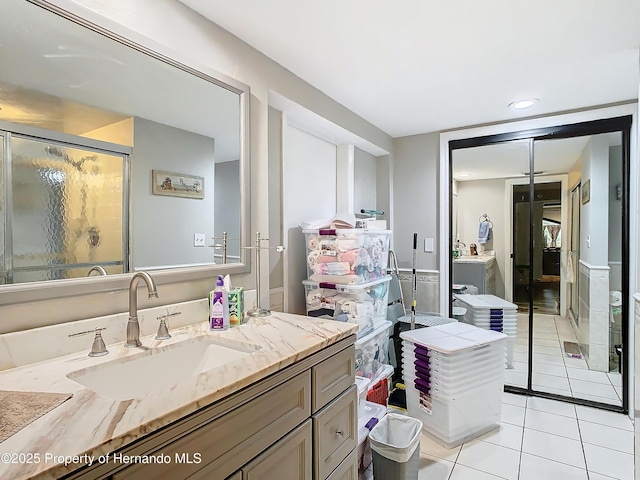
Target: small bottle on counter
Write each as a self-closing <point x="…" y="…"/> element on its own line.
<point x="219" y="301"/>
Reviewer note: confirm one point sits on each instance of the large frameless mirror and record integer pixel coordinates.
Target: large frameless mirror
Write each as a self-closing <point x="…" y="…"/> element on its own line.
<point x="113" y="156"/>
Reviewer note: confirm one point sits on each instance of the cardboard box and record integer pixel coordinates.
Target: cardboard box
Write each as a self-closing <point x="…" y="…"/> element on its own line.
<point x="236" y="306"/>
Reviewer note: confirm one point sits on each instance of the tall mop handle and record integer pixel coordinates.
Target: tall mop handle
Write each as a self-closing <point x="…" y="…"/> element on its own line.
<point x="414" y="283"/>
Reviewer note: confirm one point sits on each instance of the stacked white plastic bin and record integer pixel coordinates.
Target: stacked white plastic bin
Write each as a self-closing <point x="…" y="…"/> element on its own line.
<point x="492" y="313"/>
<point x="348" y="281"/>
<point x="454" y="375"/>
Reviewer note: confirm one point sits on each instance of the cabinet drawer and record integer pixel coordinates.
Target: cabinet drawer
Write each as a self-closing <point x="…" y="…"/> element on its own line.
<point x="335" y="433"/>
<point x="228" y="442"/>
<point x="348" y="469"/>
<point x="332" y="377"/>
<point x="290" y="458"/>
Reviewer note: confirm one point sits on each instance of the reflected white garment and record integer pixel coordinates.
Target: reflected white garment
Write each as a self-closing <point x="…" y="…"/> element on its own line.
<point x="569" y="276"/>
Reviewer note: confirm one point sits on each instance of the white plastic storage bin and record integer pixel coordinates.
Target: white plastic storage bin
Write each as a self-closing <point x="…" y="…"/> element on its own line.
<point x="454" y="375"/>
<point x="369" y="411"/>
<point x="372" y="352"/>
<point x="492" y="313"/>
<point x="363" y="385"/>
<point x="348" y="256"/>
<point x="364" y="304"/>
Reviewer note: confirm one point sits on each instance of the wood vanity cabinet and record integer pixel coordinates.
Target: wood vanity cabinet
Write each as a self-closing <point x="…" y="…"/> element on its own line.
<point x="299" y="423"/>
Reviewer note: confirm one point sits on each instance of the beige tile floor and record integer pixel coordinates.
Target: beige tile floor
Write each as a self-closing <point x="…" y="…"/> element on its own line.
<point x="553" y="371"/>
<point x="538" y="439"/>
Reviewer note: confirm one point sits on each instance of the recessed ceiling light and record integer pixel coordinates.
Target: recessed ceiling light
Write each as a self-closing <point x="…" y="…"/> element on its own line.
<point x="522" y="104"/>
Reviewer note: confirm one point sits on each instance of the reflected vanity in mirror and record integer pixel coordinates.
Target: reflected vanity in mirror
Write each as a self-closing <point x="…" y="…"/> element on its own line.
<point x="85" y="117"/>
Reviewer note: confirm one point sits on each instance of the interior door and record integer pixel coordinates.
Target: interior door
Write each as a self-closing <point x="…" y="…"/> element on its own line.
<point x="574" y="355"/>
<point x="568" y="267"/>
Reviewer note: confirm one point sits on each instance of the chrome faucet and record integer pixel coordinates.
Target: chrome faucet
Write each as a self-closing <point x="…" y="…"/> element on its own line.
<point x="97" y="268"/>
<point x="133" y="327"/>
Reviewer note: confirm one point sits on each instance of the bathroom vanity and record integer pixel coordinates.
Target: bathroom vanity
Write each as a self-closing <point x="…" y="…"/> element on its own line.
<point x="286" y="408"/>
<point x="478" y="270"/>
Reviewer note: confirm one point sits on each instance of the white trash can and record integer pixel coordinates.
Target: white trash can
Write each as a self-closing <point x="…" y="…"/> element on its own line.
<point x="395" y="444"/>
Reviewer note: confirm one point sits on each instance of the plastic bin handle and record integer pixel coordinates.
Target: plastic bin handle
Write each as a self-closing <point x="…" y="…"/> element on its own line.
<point x="327" y="231"/>
<point x="327" y="285"/>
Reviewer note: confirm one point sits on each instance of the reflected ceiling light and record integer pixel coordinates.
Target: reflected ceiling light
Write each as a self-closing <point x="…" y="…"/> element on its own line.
<point x="464" y="174"/>
<point x="522" y="104"/>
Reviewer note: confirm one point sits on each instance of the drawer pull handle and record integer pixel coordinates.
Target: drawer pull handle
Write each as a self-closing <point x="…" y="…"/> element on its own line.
<point x="339" y="433"/>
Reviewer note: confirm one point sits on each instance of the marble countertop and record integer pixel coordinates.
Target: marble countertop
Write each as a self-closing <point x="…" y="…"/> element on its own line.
<point x="93" y="425"/>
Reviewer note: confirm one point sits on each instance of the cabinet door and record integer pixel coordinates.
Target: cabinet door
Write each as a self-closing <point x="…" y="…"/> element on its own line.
<point x="335" y="433"/>
<point x="290" y="458"/>
<point x="348" y="469"/>
<point x="332" y="377"/>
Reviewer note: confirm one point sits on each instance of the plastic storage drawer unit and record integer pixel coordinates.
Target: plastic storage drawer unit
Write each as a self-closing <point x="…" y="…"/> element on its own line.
<point x="372" y="352"/>
<point x="364" y="304"/>
<point x="347" y="256"/>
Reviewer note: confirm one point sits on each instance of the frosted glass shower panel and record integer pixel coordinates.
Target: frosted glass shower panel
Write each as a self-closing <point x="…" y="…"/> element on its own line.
<point x="2" y="273"/>
<point x="67" y="209"/>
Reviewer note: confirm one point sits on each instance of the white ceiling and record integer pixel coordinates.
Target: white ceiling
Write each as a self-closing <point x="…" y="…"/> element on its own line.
<point x="424" y="65"/>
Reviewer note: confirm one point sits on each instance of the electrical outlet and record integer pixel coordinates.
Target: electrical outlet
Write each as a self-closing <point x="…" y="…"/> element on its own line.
<point x="588" y="241"/>
<point x="199" y="240"/>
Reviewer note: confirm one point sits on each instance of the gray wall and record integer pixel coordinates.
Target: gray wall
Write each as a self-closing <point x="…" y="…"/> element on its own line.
<point x="276" y="260"/>
<point x="615" y="205"/>
<point x="163" y="226"/>
<point x="476" y="198"/>
<point x="227" y="207"/>
<point x="594" y="215"/>
<point x="415" y="197"/>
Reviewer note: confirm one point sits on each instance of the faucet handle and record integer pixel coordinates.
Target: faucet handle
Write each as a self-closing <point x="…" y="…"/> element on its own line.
<point x="163" y="331"/>
<point x="98" y="348"/>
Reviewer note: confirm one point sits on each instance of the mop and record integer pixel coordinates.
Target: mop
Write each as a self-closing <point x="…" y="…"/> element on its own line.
<point x="414" y="282"/>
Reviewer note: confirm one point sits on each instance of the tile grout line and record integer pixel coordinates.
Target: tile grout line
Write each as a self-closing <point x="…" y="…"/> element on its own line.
<point x="584" y="455"/>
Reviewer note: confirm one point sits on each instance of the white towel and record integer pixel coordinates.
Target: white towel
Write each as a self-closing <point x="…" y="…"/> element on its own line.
<point x="569" y="275"/>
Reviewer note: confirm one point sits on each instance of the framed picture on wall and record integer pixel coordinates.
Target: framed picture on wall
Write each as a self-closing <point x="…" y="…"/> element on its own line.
<point x="177" y="184"/>
<point x="586" y="192"/>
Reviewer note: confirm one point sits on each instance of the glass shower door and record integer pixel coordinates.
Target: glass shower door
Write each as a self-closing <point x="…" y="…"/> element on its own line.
<point x="67" y="213"/>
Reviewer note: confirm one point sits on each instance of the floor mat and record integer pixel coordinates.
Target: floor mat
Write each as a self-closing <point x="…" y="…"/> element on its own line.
<point x="572" y="349"/>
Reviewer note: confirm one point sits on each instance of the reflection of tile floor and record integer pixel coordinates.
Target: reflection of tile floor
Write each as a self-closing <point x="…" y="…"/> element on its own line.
<point x="538" y="439"/>
<point x="553" y="371"/>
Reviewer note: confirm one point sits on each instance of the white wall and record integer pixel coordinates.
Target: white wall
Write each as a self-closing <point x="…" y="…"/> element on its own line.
<point x="309" y="192"/>
<point x="364" y="181"/>
<point x="475" y="198"/>
<point x="163" y="226"/>
<point x="415" y="197"/>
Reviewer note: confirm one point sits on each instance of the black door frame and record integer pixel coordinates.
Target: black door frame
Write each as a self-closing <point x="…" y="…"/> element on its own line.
<point x="594" y="127"/>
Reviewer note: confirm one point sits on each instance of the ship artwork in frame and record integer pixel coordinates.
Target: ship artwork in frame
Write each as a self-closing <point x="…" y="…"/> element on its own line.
<point x="177" y="184"/>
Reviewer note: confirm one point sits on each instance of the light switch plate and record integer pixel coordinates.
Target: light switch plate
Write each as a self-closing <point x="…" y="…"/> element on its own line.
<point x="199" y="240"/>
<point x="428" y="245"/>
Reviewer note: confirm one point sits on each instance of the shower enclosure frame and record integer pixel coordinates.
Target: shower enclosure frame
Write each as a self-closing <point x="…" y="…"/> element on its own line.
<point x="622" y="124"/>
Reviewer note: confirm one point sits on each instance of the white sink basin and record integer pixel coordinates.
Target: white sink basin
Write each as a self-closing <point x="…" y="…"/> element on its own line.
<point x="157" y="368"/>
